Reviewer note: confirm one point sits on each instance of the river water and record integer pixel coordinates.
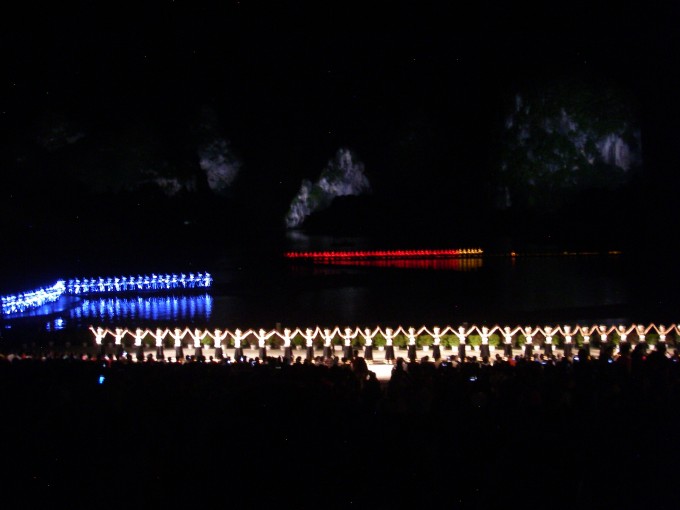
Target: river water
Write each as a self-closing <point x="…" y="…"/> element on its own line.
<point x="252" y="292"/>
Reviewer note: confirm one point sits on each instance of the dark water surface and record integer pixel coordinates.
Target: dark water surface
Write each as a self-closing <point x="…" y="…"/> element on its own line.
<point x="253" y="291"/>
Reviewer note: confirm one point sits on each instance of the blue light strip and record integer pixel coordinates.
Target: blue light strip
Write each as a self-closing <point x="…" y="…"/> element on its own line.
<point x="139" y="283"/>
<point x="23" y="301"/>
<point x="17" y="303"/>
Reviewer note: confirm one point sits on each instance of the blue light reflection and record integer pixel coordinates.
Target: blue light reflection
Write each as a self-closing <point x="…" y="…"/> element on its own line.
<point x="55" y="325"/>
<point x="165" y="308"/>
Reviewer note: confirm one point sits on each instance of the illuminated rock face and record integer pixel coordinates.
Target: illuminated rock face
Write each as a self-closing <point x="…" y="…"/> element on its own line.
<point x="343" y="176"/>
<point x="219" y="164"/>
<point x="215" y="159"/>
<point x="567" y="139"/>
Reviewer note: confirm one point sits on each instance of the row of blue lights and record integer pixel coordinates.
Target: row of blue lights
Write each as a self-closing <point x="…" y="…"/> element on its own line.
<point x="132" y="283"/>
<point x="23" y="301"/>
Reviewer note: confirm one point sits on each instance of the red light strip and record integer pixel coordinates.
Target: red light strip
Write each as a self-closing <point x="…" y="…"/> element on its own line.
<point x="382" y="254"/>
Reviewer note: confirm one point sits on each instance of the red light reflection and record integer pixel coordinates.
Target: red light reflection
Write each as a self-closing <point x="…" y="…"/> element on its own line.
<point x="450" y="264"/>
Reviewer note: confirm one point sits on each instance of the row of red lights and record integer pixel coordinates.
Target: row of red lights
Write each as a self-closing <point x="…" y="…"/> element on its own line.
<point x="380" y="254"/>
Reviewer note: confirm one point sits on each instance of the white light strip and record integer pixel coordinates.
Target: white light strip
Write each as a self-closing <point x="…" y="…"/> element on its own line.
<point x="139" y="283"/>
<point x="23" y="301"/>
<point x="461" y="334"/>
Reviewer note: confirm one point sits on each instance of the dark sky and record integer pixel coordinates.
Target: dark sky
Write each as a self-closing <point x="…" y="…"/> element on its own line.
<point x="416" y="89"/>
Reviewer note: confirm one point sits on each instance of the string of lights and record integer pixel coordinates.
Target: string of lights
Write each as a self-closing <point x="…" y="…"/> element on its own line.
<point x="139" y="283"/>
<point x="17" y="303"/>
<point x="504" y="335"/>
<point x="23" y="301"/>
<point x="383" y="254"/>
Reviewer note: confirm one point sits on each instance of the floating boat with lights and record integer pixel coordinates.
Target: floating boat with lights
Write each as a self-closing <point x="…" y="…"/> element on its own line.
<point x="383" y="254"/>
<point x="466" y="259"/>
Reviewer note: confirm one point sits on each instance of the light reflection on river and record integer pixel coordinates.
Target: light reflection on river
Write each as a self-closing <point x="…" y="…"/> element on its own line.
<point x="254" y="294"/>
<point x="154" y="309"/>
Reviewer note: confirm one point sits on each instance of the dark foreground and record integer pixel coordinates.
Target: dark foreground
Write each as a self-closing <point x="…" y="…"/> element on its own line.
<point x="586" y="434"/>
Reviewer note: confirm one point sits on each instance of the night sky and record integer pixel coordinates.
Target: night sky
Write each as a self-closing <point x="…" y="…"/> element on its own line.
<point x="91" y="98"/>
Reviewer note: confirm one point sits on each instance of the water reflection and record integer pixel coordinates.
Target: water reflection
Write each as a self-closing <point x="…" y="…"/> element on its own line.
<point x="161" y="308"/>
<point x="55" y="325"/>
<point x="370" y="292"/>
<point x="437" y="264"/>
<point x="68" y="312"/>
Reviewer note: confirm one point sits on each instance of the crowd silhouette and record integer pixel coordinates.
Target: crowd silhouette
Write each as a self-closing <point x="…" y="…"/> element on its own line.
<point x="556" y="431"/>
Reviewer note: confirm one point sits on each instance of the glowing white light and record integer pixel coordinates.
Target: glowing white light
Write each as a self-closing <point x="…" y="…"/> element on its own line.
<point x="159" y="336"/>
<point x="197" y="338"/>
<point x="435" y="335"/>
<point x="138" y="283"/>
<point x="348" y="334"/>
<point x="261" y="338"/>
<point x="219" y="336"/>
<point x="603" y="334"/>
<point x="138" y="337"/>
<point x="99" y="334"/>
<point x="237" y="338"/>
<point x="348" y="337"/>
<point x="177" y="335"/>
<point x="485" y="335"/>
<point x="17" y="303"/>
<point x="461" y="335"/>
<point x="388" y="336"/>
